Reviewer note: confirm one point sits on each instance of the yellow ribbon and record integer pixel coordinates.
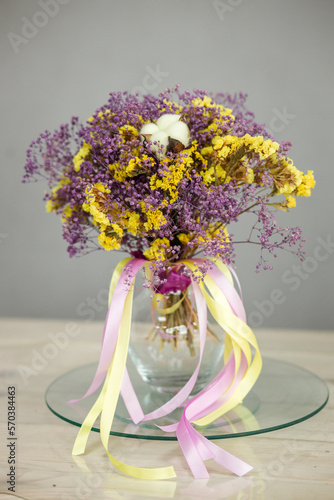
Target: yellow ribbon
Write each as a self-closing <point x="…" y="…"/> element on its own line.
<point x="238" y="336"/>
<point x="107" y="400"/>
<point x="158" y="297"/>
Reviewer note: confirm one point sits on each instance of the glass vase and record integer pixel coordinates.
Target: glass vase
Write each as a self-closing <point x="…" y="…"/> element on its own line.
<point x="165" y="343"/>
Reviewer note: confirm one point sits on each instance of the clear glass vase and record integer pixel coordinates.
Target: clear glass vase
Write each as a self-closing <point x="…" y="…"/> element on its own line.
<point x="164" y="342"/>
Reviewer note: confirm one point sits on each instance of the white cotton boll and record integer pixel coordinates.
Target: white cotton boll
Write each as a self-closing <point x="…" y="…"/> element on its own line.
<point x="166" y="120"/>
<point x="161" y="139"/>
<point x="166" y="127"/>
<point x="180" y="132"/>
<point x="149" y="128"/>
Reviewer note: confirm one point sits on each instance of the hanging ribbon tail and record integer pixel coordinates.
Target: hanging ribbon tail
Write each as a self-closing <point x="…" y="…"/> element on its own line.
<point x="220" y="456"/>
<point x="222" y="394"/>
<point x="229" y="291"/>
<point x="117" y="297"/>
<point x="208" y="399"/>
<point x="130" y="399"/>
<point x="191" y="451"/>
<point x="107" y="400"/>
<point x="190" y="439"/>
<point x="178" y="400"/>
<point x="208" y="450"/>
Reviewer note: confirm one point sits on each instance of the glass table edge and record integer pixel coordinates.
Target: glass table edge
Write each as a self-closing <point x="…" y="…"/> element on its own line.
<point x="211" y="438"/>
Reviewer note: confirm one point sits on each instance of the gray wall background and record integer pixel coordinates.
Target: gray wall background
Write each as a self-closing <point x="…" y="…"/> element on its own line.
<point x="278" y="51"/>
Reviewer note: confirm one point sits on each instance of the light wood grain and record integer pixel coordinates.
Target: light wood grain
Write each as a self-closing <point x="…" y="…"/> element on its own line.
<point x="292" y="463"/>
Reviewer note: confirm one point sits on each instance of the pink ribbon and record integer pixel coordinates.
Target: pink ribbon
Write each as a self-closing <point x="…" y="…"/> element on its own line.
<point x="111" y="327"/>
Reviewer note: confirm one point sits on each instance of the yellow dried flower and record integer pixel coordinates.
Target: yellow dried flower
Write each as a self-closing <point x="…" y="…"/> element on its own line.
<point x="308" y="182"/>
<point x="158" y="249"/>
<point x="155" y="218"/>
<point x="184" y="238"/>
<point x="290" y="202"/>
<point x="81" y="155"/>
<point x="109" y="242"/>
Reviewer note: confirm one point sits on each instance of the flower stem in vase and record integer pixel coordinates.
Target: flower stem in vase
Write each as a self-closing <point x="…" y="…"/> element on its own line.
<point x="180" y="325"/>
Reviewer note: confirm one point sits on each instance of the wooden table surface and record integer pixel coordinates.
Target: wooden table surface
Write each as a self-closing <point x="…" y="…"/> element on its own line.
<point x="292" y="463"/>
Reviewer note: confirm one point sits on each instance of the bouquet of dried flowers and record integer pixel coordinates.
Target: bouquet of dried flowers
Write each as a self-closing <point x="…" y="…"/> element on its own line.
<point x="162" y="178"/>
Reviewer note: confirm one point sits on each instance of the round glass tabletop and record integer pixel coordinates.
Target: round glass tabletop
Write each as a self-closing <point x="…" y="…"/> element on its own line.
<point x="283" y="395"/>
